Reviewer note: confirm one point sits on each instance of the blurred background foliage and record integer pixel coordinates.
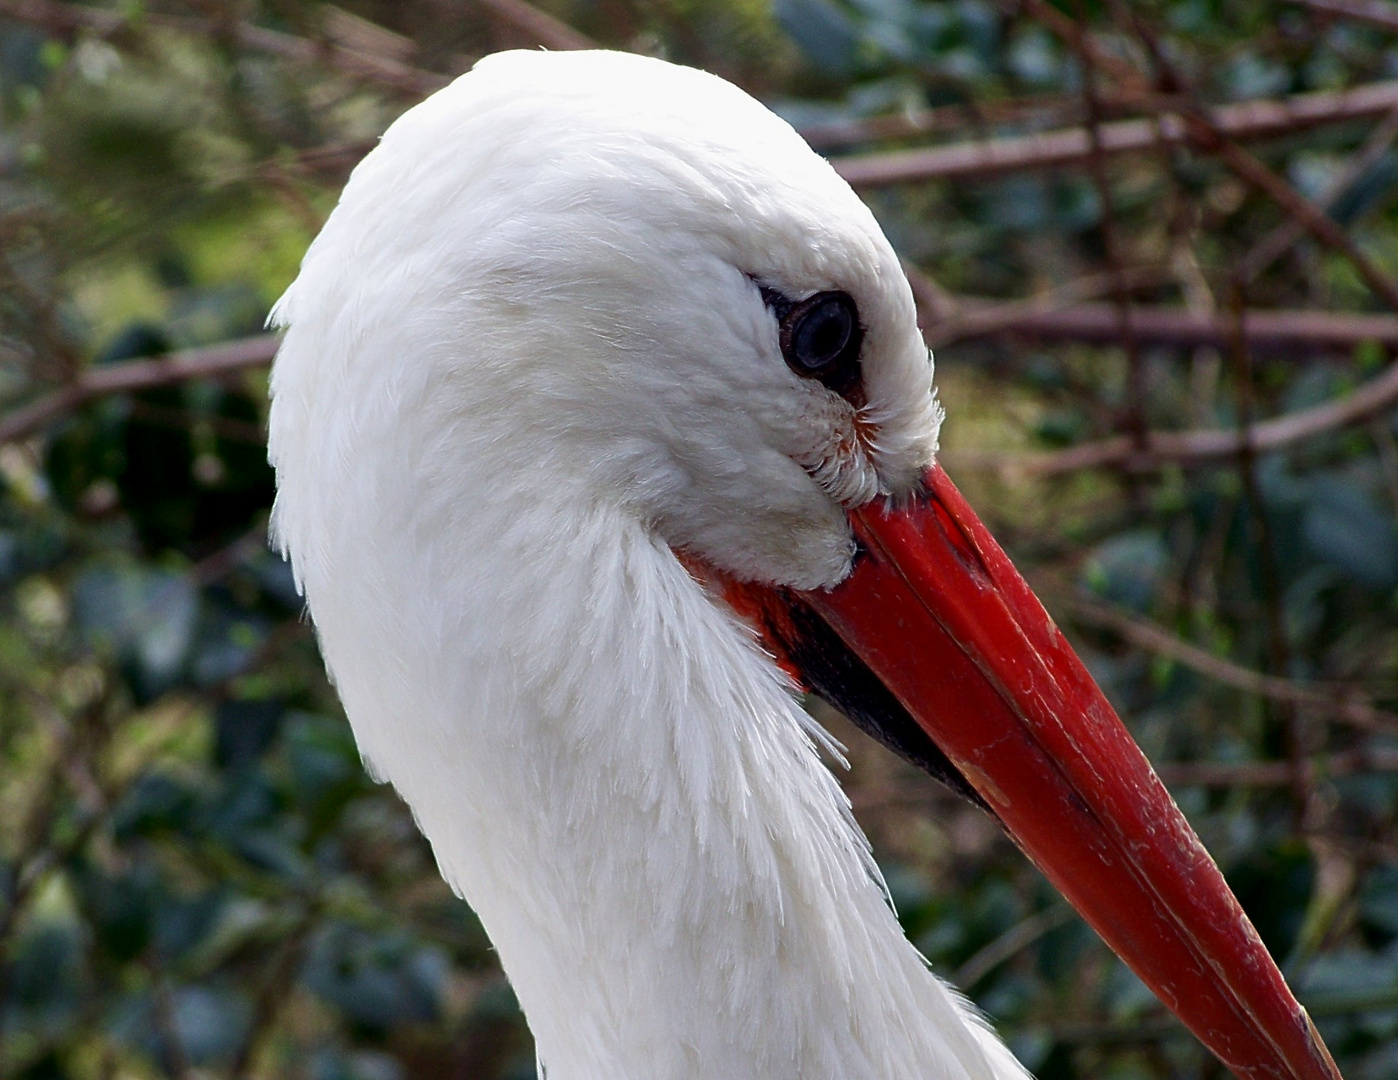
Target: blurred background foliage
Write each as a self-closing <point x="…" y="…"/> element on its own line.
<point x="198" y="880"/>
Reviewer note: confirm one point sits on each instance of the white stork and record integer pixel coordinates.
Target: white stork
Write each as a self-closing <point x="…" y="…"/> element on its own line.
<point x="601" y="420"/>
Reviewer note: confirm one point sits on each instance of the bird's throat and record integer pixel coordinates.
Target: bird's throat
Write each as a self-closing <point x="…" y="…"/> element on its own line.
<point x="617" y="778"/>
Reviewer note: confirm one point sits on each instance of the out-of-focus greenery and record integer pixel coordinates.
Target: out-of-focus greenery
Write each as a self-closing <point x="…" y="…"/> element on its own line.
<point x="196" y="877"/>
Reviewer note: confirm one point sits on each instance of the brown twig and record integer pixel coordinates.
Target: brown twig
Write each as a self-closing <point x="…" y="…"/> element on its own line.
<point x="935" y="306"/>
<point x="1314" y="220"/>
<point x="333" y="161"/>
<point x="1014" y="940"/>
<point x="218" y="564"/>
<point x="79" y="744"/>
<point x="1057" y="316"/>
<point x="1135" y="412"/>
<point x="277" y="984"/>
<point x="1283" y="713"/>
<point x="68" y="20"/>
<point x="30" y="863"/>
<point x="1129" y="79"/>
<point x="174" y="1053"/>
<point x="1206" y="136"/>
<point x="1073" y="146"/>
<point x="1335" y="702"/>
<point x="1219" y="774"/>
<point x="347" y="51"/>
<point x="1209" y="445"/>
<point x="225" y="427"/>
<point x="217" y="361"/>
<point x="1376" y="13"/>
<point x="948" y="119"/>
<point x="1276" y="243"/>
<point x="354" y="32"/>
<point x="537" y="26"/>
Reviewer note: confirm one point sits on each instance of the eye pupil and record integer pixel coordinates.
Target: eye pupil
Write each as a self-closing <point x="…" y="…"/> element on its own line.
<point x="821" y="337"/>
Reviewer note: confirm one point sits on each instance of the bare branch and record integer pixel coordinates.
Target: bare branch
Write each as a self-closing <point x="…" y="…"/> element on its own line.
<point x="214" y="362"/>
<point x="1134" y="414"/>
<point x="277" y="984"/>
<point x="944" y="119"/>
<point x="1073" y="146"/>
<point x="1055" y="317"/>
<point x="333" y="161"/>
<point x="1316" y="221"/>
<point x="354" y="45"/>
<point x="1014" y="940"/>
<point x="1207" y="137"/>
<point x="68" y="20"/>
<point x="936" y="307"/>
<point x="538" y="26"/>
<point x="1335" y="702"/>
<point x="1378" y="13"/>
<point x="1276" y="773"/>
<point x="1277" y="242"/>
<point x="1066" y="28"/>
<point x="1204" y="446"/>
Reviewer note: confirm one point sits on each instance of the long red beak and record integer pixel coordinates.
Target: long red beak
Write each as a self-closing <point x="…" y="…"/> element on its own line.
<point x="935" y="609"/>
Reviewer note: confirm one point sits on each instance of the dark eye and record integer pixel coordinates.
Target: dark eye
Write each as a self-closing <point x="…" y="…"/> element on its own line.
<point x="820" y="338"/>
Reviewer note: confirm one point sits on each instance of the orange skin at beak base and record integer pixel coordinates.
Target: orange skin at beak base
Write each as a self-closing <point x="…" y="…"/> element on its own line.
<point x="936" y="610"/>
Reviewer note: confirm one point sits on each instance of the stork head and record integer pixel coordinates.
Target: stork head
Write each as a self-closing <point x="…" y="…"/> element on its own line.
<point x="686" y="307"/>
<point x="627" y="282"/>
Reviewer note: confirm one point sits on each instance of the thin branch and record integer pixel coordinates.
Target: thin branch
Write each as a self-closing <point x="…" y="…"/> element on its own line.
<point x="1221" y="774"/>
<point x="944" y="119"/>
<point x="360" y="34"/>
<point x="1014" y="940"/>
<point x="1210" y="131"/>
<point x="214" y="362"/>
<point x="1281" y="712"/>
<point x="79" y="744"/>
<point x="1376" y="13"/>
<point x="1055" y="316"/>
<point x="1073" y="146"/>
<point x="538" y="26"/>
<point x="277" y="984"/>
<point x="30" y="863"/>
<point x="332" y="161"/>
<point x="1335" y="702"/>
<point x="1134" y="414"/>
<point x="1206" y="136"/>
<point x="936" y="307"/>
<point x="973" y="317"/>
<point x="344" y="47"/>
<point x="1316" y="221"/>
<point x="1213" y="445"/>
<point x="1277" y="242"/>
<point x="1066" y="29"/>
<point x="173" y="1052"/>
<point x="68" y="20"/>
<point x="217" y="565"/>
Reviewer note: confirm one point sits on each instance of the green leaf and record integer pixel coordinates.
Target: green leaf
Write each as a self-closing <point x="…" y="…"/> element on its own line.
<point x="146" y="618"/>
<point x="1343" y="527"/>
<point x="824" y="31"/>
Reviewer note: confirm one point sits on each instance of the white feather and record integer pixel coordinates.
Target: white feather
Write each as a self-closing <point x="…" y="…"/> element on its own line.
<point x="526" y="360"/>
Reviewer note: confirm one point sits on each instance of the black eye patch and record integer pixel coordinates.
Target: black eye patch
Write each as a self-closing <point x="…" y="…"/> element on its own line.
<point x="820" y="337"/>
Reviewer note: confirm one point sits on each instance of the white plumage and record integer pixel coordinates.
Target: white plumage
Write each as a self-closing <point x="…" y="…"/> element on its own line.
<point x="526" y="361"/>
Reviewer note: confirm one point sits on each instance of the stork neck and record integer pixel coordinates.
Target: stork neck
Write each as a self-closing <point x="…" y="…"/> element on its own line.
<point x="622" y="786"/>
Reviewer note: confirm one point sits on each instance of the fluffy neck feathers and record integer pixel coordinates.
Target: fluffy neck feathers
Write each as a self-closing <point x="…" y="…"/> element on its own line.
<point x="611" y="773"/>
